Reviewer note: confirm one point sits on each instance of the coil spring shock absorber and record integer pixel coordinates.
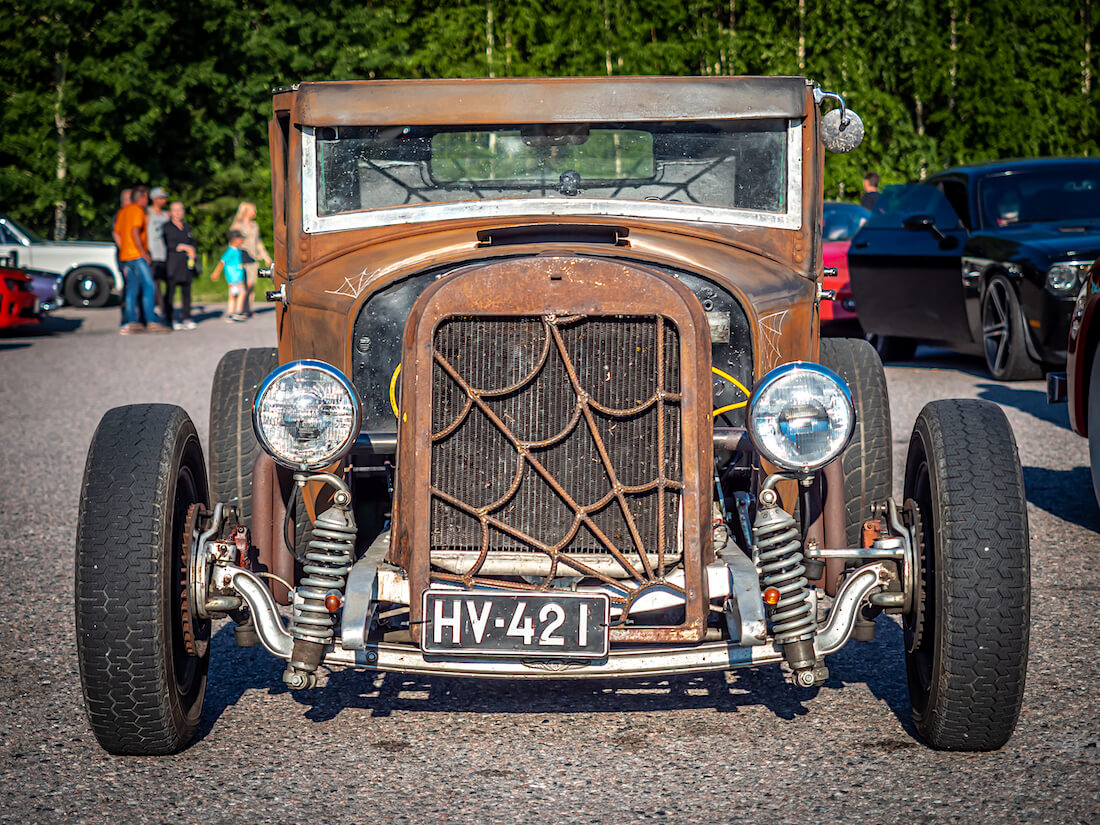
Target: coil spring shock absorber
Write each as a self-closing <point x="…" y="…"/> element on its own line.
<point x="328" y="559"/>
<point x="778" y="557"/>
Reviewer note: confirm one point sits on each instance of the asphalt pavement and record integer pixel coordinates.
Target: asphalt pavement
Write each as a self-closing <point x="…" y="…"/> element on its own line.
<point x="739" y="746"/>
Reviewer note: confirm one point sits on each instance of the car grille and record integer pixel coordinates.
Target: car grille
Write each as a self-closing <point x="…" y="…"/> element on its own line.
<point x="556" y="438"/>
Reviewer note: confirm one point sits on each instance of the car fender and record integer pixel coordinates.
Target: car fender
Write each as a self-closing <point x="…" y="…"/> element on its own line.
<point x="1082" y="351"/>
<point x="59" y="258"/>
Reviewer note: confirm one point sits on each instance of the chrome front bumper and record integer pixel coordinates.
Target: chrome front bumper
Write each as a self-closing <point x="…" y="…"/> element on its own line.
<point x="633" y="662"/>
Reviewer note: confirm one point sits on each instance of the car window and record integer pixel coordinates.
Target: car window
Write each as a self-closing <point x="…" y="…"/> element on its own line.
<point x="841" y="221"/>
<point x="896" y="203"/>
<point x="739" y="164"/>
<point x="955" y="192"/>
<point x="28" y="234"/>
<point x="6" y="236"/>
<point x="1038" y="195"/>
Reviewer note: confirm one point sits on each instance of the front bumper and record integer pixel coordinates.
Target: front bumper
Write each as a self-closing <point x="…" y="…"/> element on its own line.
<point x="639" y="661"/>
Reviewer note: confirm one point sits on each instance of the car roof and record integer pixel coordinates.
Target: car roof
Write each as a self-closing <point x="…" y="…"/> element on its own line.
<point x="993" y="167"/>
<point x="543" y="100"/>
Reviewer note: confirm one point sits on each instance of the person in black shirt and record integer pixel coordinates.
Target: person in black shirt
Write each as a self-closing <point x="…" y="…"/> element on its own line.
<point x="180" y="266"/>
<point x="870" y="191"/>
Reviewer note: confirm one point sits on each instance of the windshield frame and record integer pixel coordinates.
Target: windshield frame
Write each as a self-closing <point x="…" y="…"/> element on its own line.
<point x="551" y="207"/>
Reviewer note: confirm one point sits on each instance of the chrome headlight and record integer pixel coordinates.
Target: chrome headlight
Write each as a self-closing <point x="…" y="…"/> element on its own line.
<point x="306" y="415"/>
<point x="800" y="416"/>
<point x="1063" y="277"/>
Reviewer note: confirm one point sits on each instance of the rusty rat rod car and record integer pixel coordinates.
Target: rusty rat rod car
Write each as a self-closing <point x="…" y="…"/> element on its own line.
<point x="549" y="402"/>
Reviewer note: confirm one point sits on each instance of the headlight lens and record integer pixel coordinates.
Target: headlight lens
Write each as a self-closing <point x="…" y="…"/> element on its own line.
<point x="306" y="415"/>
<point x="800" y="417"/>
<point x="1063" y="277"/>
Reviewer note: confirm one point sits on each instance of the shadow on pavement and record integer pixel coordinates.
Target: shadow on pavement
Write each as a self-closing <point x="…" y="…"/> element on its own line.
<point x="48" y="326"/>
<point x="1065" y="494"/>
<point x="1027" y="399"/>
<point x="877" y="664"/>
<point x="935" y="358"/>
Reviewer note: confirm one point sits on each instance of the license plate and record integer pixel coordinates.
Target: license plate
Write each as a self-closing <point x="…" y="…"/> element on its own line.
<point x="515" y="624"/>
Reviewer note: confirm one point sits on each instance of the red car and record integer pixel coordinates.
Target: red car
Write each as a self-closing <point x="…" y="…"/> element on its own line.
<point x="840" y="221"/>
<point x="1080" y="383"/>
<point x="18" y="303"/>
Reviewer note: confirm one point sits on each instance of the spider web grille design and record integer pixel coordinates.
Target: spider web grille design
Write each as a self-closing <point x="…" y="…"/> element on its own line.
<point x="558" y="437"/>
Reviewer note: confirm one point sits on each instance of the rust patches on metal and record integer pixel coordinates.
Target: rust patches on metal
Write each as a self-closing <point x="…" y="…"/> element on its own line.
<point x="835" y="518"/>
<point x="270" y="492"/>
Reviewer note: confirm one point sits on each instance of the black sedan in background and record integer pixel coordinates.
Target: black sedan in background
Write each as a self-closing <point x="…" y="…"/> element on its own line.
<point x="986" y="258"/>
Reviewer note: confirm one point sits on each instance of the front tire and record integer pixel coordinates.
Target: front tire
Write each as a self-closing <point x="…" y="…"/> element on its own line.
<point x="868" y="459"/>
<point x="87" y="287"/>
<point x="966" y="635"/>
<point x="143" y="690"/>
<point x="1003" y="334"/>
<point x="233" y="445"/>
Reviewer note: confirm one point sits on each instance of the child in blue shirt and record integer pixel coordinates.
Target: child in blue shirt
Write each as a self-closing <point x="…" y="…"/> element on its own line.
<point x="232" y="261"/>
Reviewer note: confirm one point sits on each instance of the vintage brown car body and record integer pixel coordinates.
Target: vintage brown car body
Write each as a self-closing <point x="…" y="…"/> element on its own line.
<point x="535" y="385"/>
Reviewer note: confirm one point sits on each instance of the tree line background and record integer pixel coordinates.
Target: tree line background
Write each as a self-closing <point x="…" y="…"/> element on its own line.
<point x="99" y="95"/>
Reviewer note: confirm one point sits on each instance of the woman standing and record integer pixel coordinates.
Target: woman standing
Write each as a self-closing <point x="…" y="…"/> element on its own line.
<point x="180" y="266"/>
<point x="245" y="223"/>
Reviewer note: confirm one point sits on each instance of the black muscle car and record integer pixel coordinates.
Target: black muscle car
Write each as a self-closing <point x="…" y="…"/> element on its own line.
<point x="982" y="258"/>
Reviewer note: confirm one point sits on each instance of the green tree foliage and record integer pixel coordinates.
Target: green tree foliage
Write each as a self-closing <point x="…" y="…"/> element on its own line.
<point x="98" y="96"/>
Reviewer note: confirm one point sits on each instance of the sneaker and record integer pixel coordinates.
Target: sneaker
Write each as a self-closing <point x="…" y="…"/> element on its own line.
<point x="238" y="317"/>
<point x="157" y="328"/>
<point x="177" y="325"/>
<point x="188" y="324"/>
<point x="130" y="329"/>
<point x="229" y="319"/>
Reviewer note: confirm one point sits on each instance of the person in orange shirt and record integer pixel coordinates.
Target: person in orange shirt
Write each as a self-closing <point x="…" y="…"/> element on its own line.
<point x="133" y="254"/>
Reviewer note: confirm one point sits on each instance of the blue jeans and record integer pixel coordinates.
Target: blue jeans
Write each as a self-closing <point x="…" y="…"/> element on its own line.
<point x="139" y="286"/>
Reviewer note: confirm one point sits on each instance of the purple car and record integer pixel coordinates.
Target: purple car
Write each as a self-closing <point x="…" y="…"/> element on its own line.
<point x="47" y="286"/>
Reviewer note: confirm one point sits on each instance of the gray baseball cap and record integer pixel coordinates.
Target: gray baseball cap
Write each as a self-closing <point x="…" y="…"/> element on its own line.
<point x="158" y="192"/>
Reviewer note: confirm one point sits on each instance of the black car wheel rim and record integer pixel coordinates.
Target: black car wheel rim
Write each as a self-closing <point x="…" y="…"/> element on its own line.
<point x="996" y="319"/>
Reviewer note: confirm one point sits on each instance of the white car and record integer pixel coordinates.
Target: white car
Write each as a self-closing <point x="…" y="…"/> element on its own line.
<point x="90" y="267"/>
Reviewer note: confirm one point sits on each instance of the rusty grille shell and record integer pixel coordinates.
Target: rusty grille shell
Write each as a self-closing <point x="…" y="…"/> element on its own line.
<point x="556" y="294"/>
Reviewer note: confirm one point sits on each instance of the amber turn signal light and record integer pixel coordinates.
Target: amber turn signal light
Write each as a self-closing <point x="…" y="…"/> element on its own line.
<point x="333" y="602"/>
<point x="771" y="596"/>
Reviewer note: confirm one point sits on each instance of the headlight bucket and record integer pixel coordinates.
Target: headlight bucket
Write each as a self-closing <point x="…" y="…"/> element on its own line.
<point x="306" y="415"/>
<point x="800" y="416"/>
<point x="1065" y="276"/>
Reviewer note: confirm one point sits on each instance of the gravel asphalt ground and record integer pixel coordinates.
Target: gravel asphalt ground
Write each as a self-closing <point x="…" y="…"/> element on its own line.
<point x="741" y="746"/>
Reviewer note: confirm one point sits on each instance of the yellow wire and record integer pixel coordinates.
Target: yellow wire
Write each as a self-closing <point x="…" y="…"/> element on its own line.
<point x="393" y="392"/>
<point x="716" y="413"/>
<point x="735" y="383"/>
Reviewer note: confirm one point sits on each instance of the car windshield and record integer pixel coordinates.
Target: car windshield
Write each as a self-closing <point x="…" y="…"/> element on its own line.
<point x="736" y="164"/>
<point x="841" y="221"/>
<point x="1038" y="195"/>
<point x="28" y="234"/>
<point x="898" y="202"/>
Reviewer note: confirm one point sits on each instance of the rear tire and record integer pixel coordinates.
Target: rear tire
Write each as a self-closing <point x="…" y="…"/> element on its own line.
<point x="967" y="637"/>
<point x="892" y="348"/>
<point x="868" y="459"/>
<point x="233" y="445"/>
<point x="87" y="287"/>
<point x="143" y="691"/>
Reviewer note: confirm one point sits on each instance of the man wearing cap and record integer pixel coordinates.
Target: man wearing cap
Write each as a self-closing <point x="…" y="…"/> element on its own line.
<point x="156" y="216"/>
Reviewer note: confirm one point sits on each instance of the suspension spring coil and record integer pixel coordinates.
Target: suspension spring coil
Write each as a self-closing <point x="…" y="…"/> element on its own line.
<point x="778" y="557"/>
<point x="327" y="562"/>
